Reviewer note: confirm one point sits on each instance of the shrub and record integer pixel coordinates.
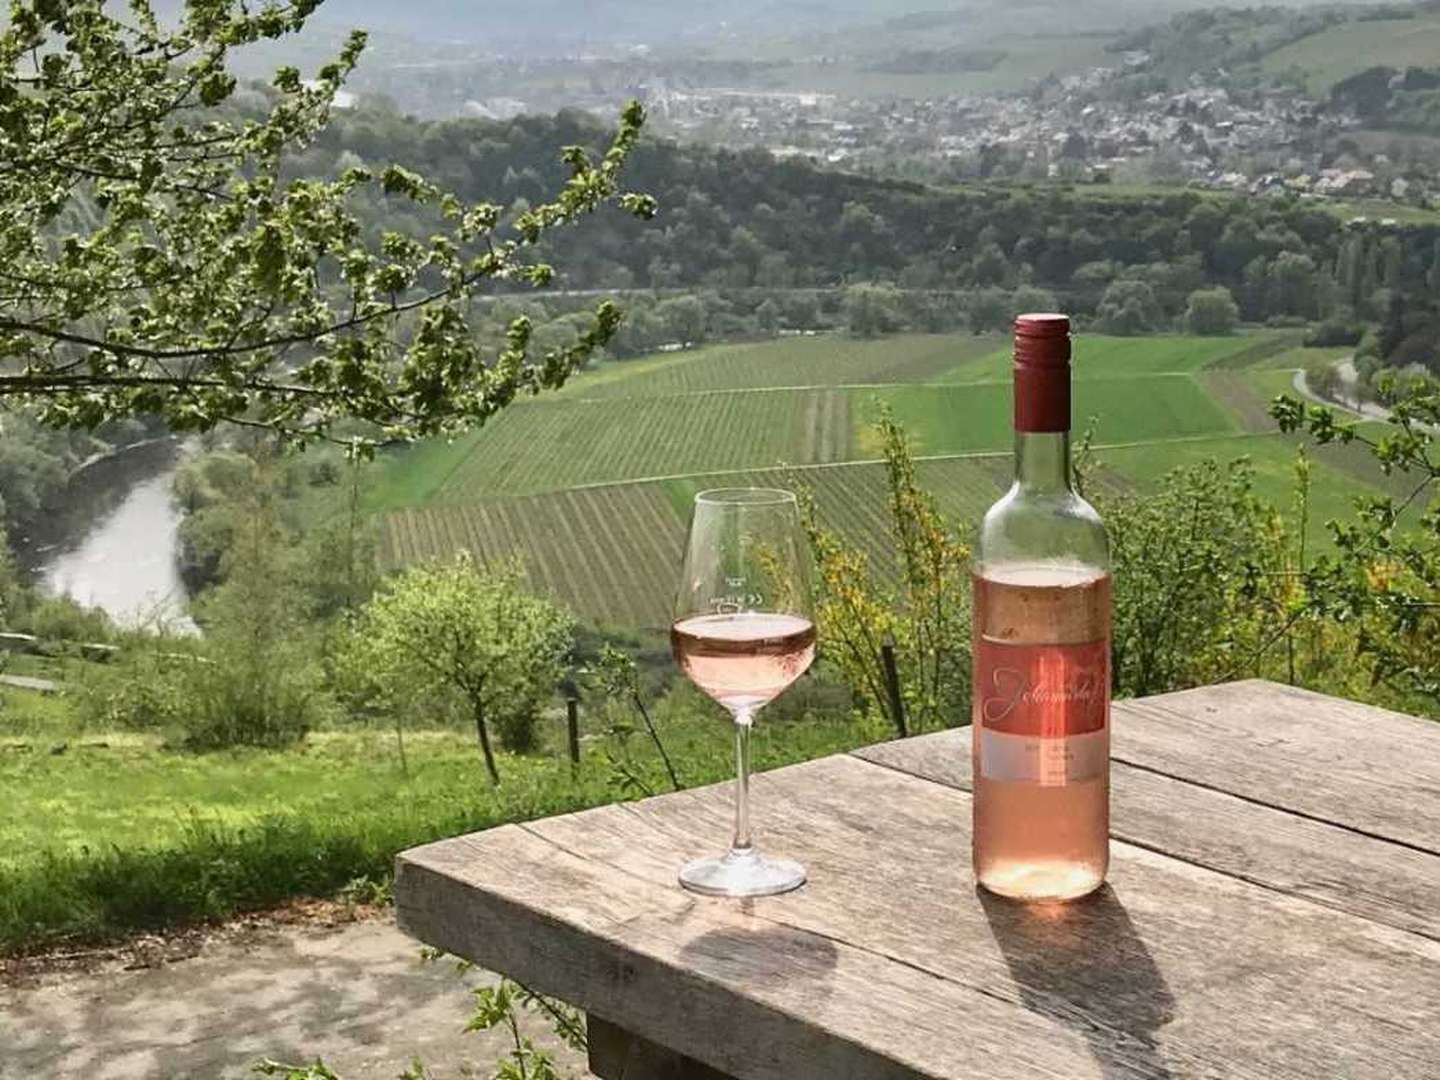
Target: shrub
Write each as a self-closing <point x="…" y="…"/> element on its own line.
<point x="141" y="690"/>
<point x="240" y="695"/>
<point x="1211" y="311"/>
<point x="1129" y="307"/>
<point x="1334" y="331"/>
<point x="60" y="619"/>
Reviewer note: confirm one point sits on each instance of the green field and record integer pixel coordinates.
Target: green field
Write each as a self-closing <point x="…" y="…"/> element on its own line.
<point x="806" y="401"/>
<point x="545" y="445"/>
<point x="1097" y="356"/>
<point x="611" y="552"/>
<point x="822" y="360"/>
<point x="965" y="419"/>
<point x="591" y="488"/>
<point x="1341" y="51"/>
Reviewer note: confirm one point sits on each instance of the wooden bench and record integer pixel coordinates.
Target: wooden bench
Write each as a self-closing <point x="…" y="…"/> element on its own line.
<point x="1272" y="912"/>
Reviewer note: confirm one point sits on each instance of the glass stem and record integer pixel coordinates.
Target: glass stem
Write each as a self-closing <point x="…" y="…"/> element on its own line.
<point x="744" y="720"/>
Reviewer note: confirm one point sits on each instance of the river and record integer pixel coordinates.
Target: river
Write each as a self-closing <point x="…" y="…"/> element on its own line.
<point x="111" y="541"/>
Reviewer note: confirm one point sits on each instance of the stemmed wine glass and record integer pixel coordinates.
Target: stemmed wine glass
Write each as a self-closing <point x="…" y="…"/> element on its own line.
<point x="744" y="631"/>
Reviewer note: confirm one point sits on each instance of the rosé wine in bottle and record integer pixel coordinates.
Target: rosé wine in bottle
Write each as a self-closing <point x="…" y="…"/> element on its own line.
<point x="1041" y="648"/>
<point x="745" y="659"/>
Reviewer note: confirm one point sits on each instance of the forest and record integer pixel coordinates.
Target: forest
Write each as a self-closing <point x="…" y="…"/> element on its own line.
<point x="742" y="219"/>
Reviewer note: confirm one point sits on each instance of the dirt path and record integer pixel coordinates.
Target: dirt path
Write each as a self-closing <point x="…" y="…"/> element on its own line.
<point x="356" y="995"/>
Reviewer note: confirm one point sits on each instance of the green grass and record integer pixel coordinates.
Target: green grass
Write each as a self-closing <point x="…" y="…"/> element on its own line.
<point x="205" y="836"/>
<point x="967" y="419"/>
<point x="824" y="360"/>
<point x="1098" y="356"/>
<point x="416" y="474"/>
<point x="561" y="483"/>
<point x="737" y="407"/>
<point x="1270" y="384"/>
<point x="1337" y="53"/>
<point x="1380" y="209"/>
<point x="24" y="713"/>
<point x="1301" y="356"/>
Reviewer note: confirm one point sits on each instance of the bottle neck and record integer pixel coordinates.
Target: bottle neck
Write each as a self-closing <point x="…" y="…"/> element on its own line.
<point x="1042" y="461"/>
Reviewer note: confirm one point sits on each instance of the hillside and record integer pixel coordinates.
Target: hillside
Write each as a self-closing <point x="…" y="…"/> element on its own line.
<point x="742" y="219"/>
<point x="592" y="487"/>
<point x="1326" y="58"/>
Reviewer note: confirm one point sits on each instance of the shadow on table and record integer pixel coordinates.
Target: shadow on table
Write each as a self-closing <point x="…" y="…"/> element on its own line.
<point x="763" y="956"/>
<point x="1084" y="965"/>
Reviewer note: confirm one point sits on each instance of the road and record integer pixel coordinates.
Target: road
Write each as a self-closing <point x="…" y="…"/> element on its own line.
<point x="356" y="995"/>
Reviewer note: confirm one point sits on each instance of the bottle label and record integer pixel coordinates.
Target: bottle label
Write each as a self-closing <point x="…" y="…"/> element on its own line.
<point x="1042" y="711"/>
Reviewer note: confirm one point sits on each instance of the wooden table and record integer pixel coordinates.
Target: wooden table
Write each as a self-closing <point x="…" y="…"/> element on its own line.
<point x="1273" y="911"/>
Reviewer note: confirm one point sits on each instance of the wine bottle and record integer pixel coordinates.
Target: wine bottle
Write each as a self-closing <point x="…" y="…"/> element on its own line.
<point x="1041" y="652"/>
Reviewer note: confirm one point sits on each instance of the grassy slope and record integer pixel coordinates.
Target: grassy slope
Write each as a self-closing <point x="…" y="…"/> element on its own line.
<point x="1026" y="58"/>
<point x="203" y="836"/>
<point x="964" y="419"/>
<point x="825" y="360"/>
<point x="1341" y="51"/>
<point x="1099" y="356"/>
<point x="609" y="550"/>
<point x="629" y="420"/>
<point x="1273" y="458"/>
<point x="701" y="412"/>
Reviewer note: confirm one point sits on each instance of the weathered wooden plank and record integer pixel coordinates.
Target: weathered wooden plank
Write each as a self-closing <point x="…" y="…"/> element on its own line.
<point x="1327" y="864"/>
<point x="616" y="1054"/>
<point x="889" y="964"/>
<point x="1367" y="769"/>
<point x="615" y="945"/>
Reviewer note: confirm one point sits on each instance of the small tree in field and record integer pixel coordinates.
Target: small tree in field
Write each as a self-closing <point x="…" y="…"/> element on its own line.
<point x="1211" y="311"/>
<point x="473" y="634"/>
<point x="1129" y="307"/>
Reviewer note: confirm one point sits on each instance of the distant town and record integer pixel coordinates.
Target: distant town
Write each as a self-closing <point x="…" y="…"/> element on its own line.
<point x="1068" y="128"/>
<point x="1215" y="132"/>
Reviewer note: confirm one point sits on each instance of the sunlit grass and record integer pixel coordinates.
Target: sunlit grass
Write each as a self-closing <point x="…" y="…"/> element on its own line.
<point x="119" y="833"/>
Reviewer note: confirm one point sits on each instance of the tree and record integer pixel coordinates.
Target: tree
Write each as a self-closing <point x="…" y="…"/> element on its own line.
<point x="159" y="257"/>
<point x="1211" y="311"/>
<point x="1032" y="298"/>
<point x="768" y="315"/>
<point x="872" y="310"/>
<point x="990" y="311"/>
<point x="684" y="319"/>
<point x="472" y="633"/>
<point x="1292" y="281"/>
<point x="991" y="267"/>
<point x="1129" y="307"/>
<point x="256" y="679"/>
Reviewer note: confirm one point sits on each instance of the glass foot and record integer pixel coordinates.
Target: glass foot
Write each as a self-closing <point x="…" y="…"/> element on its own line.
<point x="742" y="873"/>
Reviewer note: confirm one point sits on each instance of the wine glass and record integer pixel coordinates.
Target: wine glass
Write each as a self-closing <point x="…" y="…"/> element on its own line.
<point x="743" y="632"/>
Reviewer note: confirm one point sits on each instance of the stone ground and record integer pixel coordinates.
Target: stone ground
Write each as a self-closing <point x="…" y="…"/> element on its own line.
<point x="353" y="992"/>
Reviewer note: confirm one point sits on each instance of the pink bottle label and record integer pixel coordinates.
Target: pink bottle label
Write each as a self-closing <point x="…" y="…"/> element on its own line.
<point x="1042" y="712"/>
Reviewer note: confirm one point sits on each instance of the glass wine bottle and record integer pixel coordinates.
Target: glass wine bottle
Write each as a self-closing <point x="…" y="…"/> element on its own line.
<point x="1041" y="712"/>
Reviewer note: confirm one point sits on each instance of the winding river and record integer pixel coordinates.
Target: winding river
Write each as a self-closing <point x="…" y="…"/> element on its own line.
<point x="112" y="540"/>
